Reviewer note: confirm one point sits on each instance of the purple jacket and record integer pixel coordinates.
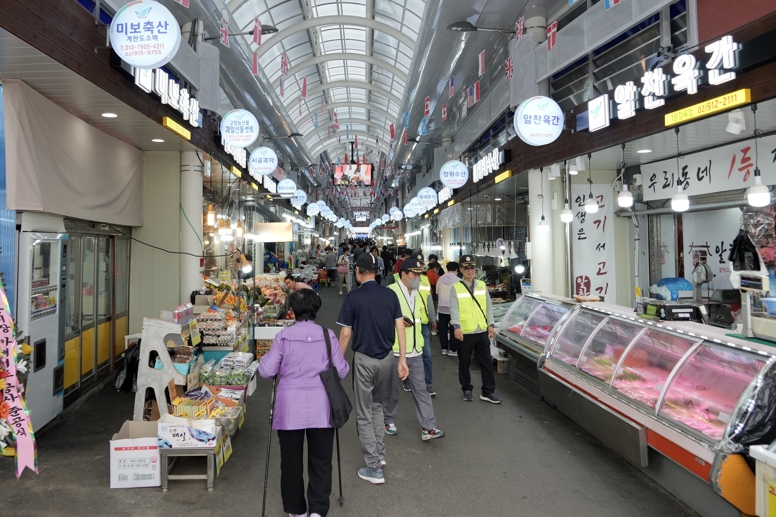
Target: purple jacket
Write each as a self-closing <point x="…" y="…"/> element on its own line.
<point x="298" y="356"/>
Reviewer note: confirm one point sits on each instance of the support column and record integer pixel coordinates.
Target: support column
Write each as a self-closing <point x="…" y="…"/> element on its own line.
<point x="536" y="24"/>
<point x="542" y="260"/>
<point x="190" y="223"/>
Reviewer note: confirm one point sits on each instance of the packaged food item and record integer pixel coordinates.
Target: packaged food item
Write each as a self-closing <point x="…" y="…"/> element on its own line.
<point x="239" y="377"/>
<point x="221" y="376"/>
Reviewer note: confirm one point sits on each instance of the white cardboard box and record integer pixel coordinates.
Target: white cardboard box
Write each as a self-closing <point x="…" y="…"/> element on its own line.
<point x="134" y="456"/>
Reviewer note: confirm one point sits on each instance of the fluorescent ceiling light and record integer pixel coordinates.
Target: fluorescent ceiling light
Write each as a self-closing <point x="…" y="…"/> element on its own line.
<point x="158" y="140"/>
<point x="644" y="151"/>
<point x="109" y="115"/>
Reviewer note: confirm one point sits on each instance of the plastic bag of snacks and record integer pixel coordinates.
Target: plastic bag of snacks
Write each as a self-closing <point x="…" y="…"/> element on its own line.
<point x="221" y="376"/>
<point x="239" y="377"/>
<point x="206" y="372"/>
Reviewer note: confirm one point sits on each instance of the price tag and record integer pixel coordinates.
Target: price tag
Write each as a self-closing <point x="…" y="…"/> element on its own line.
<point x="242" y="420"/>
<point x="224" y="276"/>
<point x="194" y="330"/>
<point x="771" y="499"/>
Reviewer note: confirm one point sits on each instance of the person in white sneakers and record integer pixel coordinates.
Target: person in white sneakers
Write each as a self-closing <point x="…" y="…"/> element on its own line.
<point x="444" y="288"/>
<point x="407" y="290"/>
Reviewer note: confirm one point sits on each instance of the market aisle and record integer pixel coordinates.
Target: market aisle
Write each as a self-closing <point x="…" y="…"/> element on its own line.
<point x="520" y="458"/>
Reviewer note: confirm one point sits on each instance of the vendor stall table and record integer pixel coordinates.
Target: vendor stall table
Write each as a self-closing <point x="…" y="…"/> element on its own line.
<point x="167" y="454"/>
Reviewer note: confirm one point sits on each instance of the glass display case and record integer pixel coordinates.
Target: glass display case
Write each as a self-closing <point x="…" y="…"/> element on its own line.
<point x="531" y="320"/>
<point x="689" y="380"/>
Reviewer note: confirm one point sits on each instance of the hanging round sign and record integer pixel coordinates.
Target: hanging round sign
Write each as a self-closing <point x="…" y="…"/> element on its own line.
<point x="263" y="162"/>
<point x="398" y="216"/>
<point x="239" y="128"/>
<point x="393" y="210"/>
<point x="312" y="209"/>
<point x="286" y="188"/>
<point x="454" y="174"/>
<point x="416" y="206"/>
<point x="427" y="197"/>
<point x="539" y="121"/>
<point x="300" y="197"/>
<point x="409" y="213"/>
<point x="321" y="205"/>
<point x="145" y="34"/>
<point x="386" y="218"/>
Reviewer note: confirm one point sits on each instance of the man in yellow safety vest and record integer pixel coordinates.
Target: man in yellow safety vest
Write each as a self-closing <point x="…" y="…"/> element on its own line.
<point x="471" y="315"/>
<point x="412" y="301"/>
<point x="428" y="323"/>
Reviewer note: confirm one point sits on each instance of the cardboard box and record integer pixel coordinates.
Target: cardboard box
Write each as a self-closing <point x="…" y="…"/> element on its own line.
<point x="177" y="432"/>
<point x="202" y="303"/>
<point x="253" y="384"/>
<point x="134" y="456"/>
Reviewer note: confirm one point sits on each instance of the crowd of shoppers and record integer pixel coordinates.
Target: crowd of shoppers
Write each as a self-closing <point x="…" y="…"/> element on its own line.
<point x="389" y="330"/>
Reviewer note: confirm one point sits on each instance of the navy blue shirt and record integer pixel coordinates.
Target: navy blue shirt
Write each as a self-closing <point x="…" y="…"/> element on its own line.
<point x="371" y="311"/>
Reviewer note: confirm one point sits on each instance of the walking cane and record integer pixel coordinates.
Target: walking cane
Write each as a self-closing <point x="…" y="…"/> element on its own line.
<point x="339" y="469"/>
<point x="269" y="443"/>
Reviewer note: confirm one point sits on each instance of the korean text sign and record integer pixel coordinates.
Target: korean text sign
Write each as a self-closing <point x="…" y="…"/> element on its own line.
<point x="717" y="170"/>
<point x="145" y="34"/>
<point x="592" y="242"/>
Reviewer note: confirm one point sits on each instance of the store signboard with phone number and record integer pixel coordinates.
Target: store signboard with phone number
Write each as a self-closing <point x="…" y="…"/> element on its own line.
<point x="726" y="168"/>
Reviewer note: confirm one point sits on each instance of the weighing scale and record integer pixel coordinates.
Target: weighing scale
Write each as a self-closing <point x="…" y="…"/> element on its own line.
<point x="761" y="326"/>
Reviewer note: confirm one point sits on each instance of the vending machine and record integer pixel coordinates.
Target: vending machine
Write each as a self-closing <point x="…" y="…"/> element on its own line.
<point x="41" y="292"/>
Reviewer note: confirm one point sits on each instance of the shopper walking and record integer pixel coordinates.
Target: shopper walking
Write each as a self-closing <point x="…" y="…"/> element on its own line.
<point x="471" y="314"/>
<point x="429" y="324"/>
<point x="343" y="270"/>
<point x="387" y="260"/>
<point x="380" y="266"/>
<point x="331" y="266"/>
<point x="405" y="254"/>
<point x="358" y="251"/>
<point x="410" y="299"/>
<point x="302" y="410"/>
<point x="371" y="319"/>
<point x="444" y="290"/>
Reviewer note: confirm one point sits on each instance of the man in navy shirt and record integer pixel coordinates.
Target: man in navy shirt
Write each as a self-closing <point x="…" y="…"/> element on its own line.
<point x="371" y="318"/>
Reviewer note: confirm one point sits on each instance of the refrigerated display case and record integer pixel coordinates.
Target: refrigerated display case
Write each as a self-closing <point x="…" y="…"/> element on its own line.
<point x="654" y="393"/>
<point x="529" y="322"/>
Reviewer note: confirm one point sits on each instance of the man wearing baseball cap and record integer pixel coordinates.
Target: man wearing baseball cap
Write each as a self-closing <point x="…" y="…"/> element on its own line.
<point x="371" y="317"/>
<point x="412" y="303"/>
<point x="471" y="315"/>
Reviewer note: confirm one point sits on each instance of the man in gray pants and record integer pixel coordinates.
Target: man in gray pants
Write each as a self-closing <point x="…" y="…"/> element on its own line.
<point x="371" y="317"/>
<point x="412" y="306"/>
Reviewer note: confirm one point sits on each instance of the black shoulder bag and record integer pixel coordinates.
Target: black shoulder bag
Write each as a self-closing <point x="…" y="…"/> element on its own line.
<point x="340" y="403"/>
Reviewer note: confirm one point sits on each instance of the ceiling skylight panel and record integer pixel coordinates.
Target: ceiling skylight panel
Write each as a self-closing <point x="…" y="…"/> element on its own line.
<point x="289" y="22"/>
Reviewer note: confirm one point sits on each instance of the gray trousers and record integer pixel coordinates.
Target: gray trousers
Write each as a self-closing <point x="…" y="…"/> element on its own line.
<point x="424" y="409"/>
<point x="370" y="380"/>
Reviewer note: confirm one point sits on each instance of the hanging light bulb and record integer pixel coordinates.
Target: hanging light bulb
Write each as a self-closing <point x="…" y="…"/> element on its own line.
<point x="239" y="231"/>
<point x="519" y="269"/>
<point x="680" y="202"/>
<point x="591" y="205"/>
<point x="566" y="215"/>
<point x="228" y="227"/>
<point x="211" y="216"/>
<point x="544" y="226"/>
<point x="222" y="228"/>
<point x="573" y="170"/>
<point x="625" y="198"/>
<point x="758" y="194"/>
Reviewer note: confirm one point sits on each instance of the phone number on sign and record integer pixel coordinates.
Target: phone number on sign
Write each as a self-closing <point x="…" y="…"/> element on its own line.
<point x="129" y="48"/>
<point x="717" y="103"/>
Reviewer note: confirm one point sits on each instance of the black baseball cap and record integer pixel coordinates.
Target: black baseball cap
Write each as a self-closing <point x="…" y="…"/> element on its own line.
<point x="466" y="260"/>
<point x="413" y="263"/>
<point x="367" y="262"/>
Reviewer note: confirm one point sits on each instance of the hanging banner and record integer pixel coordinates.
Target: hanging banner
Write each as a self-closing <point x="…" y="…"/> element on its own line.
<point x="239" y="128"/>
<point x="286" y="188"/>
<point x="263" y="162"/>
<point x="13" y="410"/>
<point x="592" y="241"/>
<point x="145" y="34"/>
<point x="539" y="121"/>
<point x="716" y="170"/>
<point x="454" y="174"/>
<point x="707" y="237"/>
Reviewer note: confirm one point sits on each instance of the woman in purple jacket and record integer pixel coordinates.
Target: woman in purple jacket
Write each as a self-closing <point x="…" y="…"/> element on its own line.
<point x="298" y="356"/>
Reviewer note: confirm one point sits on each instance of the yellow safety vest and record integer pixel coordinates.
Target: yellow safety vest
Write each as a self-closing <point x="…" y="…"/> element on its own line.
<point x="423" y="292"/>
<point x="470" y="315"/>
<point x="415" y="340"/>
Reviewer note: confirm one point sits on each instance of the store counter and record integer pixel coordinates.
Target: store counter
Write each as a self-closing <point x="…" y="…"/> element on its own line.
<point x="677" y="399"/>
